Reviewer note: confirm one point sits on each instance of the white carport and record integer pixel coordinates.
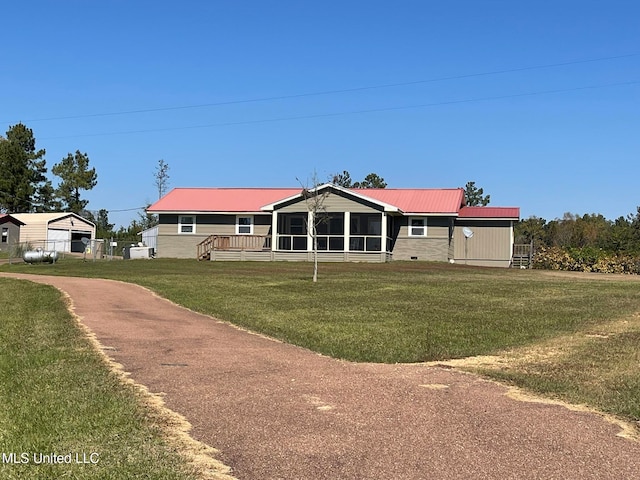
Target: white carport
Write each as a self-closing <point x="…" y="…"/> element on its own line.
<point x="60" y="231"/>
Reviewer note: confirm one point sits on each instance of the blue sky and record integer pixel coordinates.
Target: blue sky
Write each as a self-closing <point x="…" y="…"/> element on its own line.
<point x="132" y="82"/>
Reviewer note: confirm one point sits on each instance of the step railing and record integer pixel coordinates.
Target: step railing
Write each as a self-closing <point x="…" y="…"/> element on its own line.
<point x="247" y="243"/>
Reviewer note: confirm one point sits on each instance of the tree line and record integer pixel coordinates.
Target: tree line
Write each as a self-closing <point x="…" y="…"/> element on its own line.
<point x="24" y="186"/>
<point x="572" y="231"/>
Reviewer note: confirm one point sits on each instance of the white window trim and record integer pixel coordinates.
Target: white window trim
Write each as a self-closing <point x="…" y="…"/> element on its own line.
<point x="180" y="225"/>
<point x="424" y="220"/>
<point x="251" y="224"/>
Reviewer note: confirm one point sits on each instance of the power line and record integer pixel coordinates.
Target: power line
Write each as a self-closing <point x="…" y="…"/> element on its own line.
<point x="127" y="209"/>
<point x="333" y="92"/>
<point x="32" y="203"/>
<point x="353" y="112"/>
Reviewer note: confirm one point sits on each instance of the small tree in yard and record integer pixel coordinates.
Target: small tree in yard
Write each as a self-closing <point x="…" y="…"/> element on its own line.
<point x="315" y="204"/>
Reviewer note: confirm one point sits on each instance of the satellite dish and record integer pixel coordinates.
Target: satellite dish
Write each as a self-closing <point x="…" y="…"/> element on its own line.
<point x="84" y="240"/>
<point x="468" y="233"/>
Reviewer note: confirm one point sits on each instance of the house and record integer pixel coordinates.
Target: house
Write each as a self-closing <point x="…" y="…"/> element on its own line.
<point x="353" y="225"/>
<point x="10" y="229"/>
<point x="61" y="231"/>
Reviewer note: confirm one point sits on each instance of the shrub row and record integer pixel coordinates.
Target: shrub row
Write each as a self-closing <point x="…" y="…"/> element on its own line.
<point x="586" y="259"/>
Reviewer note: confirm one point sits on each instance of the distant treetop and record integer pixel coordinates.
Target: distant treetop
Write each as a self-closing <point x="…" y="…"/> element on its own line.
<point x="373" y="180"/>
<point x="474" y="196"/>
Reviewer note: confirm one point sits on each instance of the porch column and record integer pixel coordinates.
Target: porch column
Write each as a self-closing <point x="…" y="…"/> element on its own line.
<point x="310" y="222"/>
<point x="383" y="227"/>
<point x="347" y="230"/>
<point x="274" y="230"/>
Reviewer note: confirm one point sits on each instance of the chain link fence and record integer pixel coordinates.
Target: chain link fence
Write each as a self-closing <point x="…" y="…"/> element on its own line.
<point x="36" y="251"/>
<point x="51" y="251"/>
<point x="121" y="249"/>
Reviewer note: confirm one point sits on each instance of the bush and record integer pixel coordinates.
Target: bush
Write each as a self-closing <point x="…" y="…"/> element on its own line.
<point x="587" y="259"/>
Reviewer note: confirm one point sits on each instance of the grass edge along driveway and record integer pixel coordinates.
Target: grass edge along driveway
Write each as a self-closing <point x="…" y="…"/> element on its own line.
<point x="413" y="312"/>
<point x="63" y="398"/>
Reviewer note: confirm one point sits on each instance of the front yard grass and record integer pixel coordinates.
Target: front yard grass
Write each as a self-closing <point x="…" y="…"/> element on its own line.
<point x="59" y="398"/>
<point x="415" y="312"/>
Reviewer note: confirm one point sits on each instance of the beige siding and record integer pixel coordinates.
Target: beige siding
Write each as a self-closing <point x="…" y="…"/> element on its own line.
<point x="35" y="233"/>
<point x="432" y="231"/>
<point x="78" y="225"/>
<point x="236" y="256"/>
<point x="36" y="225"/>
<point x="416" y="248"/>
<point x="490" y="244"/>
<point x="262" y="229"/>
<point x="172" y="244"/>
<point x="290" y="256"/>
<point x="213" y="225"/>
<point x="332" y="203"/>
<point x="437" y="227"/>
<point x="330" y="257"/>
<point x="201" y="229"/>
<point x="434" y="247"/>
<point x="178" y="246"/>
<point x="367" y="257"/>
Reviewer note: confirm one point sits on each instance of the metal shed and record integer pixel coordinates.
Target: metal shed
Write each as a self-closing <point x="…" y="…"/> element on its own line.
<point x="61" y="231"/>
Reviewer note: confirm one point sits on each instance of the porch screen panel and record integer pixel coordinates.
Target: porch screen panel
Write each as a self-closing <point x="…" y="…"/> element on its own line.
<point x="330" y="232"/>
<point x="292" y="231"/>
<point x="366" y="232"/>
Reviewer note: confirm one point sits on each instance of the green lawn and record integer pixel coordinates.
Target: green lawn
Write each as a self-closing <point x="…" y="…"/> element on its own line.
<point x="58" y="396"/>
<point x="412" y="312"/>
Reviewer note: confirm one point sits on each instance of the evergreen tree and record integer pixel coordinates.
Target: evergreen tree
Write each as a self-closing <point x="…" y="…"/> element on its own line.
<point x="76" y="175"/>
<point x="342" y="179"/>
<point x="373" y="180"/>
<point x="474" y="196"/>
<point x="23" y="184"/>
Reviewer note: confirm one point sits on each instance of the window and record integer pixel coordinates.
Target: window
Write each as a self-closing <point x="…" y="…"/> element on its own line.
<point x="5" y="234"/>
<point x="244" y="225"/>
<point x="417" y="227"/>
<point x="186" y="224"/>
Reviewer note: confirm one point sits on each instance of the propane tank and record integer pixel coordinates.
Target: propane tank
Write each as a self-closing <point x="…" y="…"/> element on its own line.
<point x="40" y="256"/>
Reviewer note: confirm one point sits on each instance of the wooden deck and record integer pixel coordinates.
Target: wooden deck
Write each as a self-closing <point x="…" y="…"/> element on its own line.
<point x="233" y="243"/>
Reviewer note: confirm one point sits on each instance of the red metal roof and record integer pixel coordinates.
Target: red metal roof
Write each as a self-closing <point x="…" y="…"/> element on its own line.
<point x="418" y="201"/>
<point x="220" y="199"/>
<point x="490" y="212"/>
